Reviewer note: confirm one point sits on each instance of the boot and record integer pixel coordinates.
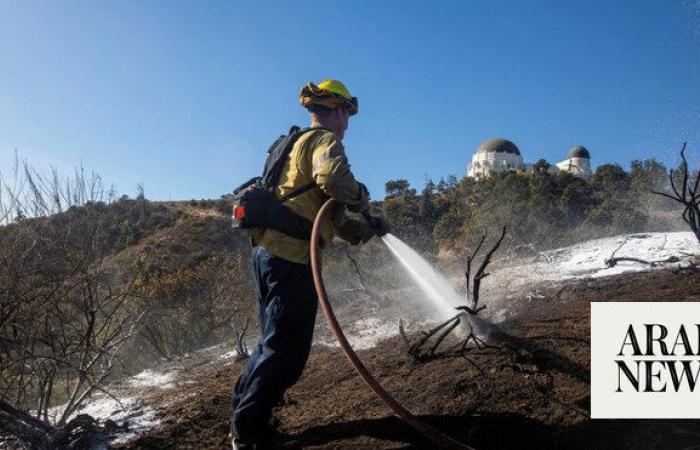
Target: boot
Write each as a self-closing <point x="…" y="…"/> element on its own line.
<point x="275" y="442"/>
<point x="237" y="444"/>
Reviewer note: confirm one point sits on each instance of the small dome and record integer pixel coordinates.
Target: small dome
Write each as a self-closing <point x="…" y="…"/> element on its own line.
<point x="578" y="151"/>
<point x="498" y="145"/>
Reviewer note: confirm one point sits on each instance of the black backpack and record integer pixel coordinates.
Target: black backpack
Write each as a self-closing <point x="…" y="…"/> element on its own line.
<point x="255" y="204"/>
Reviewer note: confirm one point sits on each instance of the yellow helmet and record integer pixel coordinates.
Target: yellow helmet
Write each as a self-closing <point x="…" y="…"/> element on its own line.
<point x="330" y="94"/>
<point x="335" y="86"/>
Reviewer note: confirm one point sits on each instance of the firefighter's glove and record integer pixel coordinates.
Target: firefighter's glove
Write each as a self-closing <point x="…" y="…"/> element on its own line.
<point x="380" y="225"/>
<point x="375" y="226"/>
<point x="367" y="233"/>
<point x="362" y="202"/>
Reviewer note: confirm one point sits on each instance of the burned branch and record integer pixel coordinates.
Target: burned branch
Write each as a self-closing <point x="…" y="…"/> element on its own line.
<point x="443" y="335"/>
<point x="474" y="284"/>
<point x="686" y="191"/>
<point x="433" y="338"/>
<point x="81" y="432"/>
<point x="472" y="337"/>
<point x="416" y="349"/>
<point x="612" y="255"/>
<point x="240" y="331"/>
<point x="23" y="427"/>
<point x="612" y="262"/>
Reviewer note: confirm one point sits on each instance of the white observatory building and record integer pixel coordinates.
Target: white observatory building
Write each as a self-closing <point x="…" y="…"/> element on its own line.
<point x="502" y="155"/>
<point x="577" y="162"/>
<point x="495" y="155"/>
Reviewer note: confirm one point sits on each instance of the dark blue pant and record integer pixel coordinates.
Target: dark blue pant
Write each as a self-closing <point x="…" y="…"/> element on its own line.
<point x="287" y="304"/>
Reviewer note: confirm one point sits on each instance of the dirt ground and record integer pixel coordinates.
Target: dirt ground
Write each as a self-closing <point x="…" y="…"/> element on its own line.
<point x="532" y="392"/>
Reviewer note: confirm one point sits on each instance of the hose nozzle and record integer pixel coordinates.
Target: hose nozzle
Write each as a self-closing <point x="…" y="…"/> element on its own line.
<point x="371" y="220"/>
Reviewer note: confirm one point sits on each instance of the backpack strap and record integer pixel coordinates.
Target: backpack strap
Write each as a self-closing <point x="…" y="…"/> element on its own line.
<point x="298" y="191"/>
<point x="310" y="185"/>
<point x="277" y="155"/>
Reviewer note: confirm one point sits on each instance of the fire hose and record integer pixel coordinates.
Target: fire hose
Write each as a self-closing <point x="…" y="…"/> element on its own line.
<point x="405" y="415"/>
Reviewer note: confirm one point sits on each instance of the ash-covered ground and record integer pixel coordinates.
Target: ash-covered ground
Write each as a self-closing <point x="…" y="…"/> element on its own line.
<point x="534" y="395"/>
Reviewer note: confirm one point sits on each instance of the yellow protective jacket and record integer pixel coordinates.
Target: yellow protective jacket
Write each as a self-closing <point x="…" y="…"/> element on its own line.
<point x="319" y="156"/>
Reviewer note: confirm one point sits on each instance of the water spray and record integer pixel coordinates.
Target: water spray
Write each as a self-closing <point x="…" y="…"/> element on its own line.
<point x="405" y="415"/>
<point x="438" y="289"/>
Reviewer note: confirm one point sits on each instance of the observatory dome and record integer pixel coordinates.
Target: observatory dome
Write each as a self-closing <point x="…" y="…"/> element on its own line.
<point x="498" y="145"/>
<point x="578" y="151"/>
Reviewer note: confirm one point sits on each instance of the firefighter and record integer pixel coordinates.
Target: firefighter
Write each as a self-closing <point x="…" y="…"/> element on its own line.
<point x="285" y="291"/>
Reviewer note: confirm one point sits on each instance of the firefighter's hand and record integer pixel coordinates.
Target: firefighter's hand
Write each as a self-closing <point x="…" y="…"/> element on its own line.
<point x="362" y="200"/>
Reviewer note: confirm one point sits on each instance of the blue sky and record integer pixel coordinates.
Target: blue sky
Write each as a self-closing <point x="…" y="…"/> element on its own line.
<point x="187" y="96"/>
